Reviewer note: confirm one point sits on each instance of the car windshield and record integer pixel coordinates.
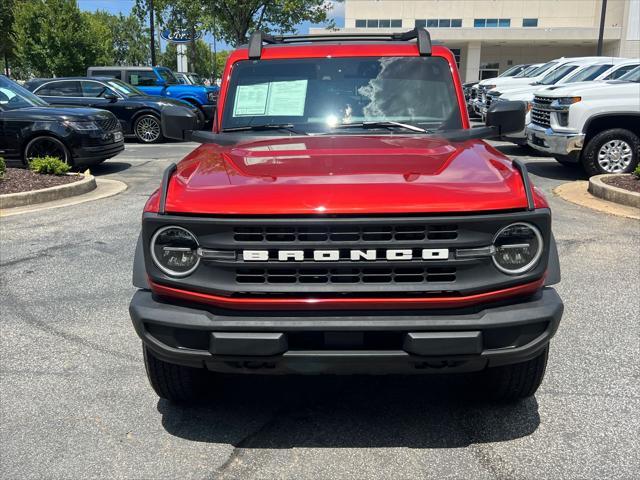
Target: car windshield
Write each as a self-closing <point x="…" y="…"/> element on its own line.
<point x="632" y="76"/>
<point x="167" y="75"/>
<point x="542" y="69"/>
<point x="195" y="78"/>
<point x="315" y="95"/>
<point x="13" y="96"/>
<point x="125" y="88"/>
<point x="558" y="74"/>
<point x="511" y="71"/>
<point x="526" y="72"/>
<point x="589" y="73"/>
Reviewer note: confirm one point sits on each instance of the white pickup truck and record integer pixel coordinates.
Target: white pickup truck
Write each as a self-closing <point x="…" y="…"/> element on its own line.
<point x="596" y="125"/>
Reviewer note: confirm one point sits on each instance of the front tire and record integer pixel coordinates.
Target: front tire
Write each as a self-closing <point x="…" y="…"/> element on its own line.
<point x="148" y="129"/>
<point x="511" y="383"/>
<point x="611" y="151"/>
<point x="46" y="146"/>
<point x="175" y="383"/>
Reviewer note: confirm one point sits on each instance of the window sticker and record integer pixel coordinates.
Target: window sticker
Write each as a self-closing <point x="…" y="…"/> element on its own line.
<point x="251" y="100"/>
<point x="286" y="98"/>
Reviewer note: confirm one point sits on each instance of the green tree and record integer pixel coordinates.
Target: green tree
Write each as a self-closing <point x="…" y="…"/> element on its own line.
<point x="126" y="37"/>
<point x="204" y="59"/>
<point x="7" y="33"/>
<point x="54" y="38"/>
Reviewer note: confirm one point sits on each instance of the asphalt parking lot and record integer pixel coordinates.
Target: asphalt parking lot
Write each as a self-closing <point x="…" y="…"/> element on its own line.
<point x="75" y="402"/>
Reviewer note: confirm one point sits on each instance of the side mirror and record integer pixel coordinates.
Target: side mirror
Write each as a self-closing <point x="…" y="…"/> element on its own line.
<point x="507" y="117"/>
<point x="178" y="122"/>
<point x="112" y="97"/>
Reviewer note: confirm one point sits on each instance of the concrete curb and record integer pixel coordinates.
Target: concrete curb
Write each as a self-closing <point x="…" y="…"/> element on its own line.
<point x="577" y="192"/>
<point x="12" y="200"/>
<point x="599" y="189"/>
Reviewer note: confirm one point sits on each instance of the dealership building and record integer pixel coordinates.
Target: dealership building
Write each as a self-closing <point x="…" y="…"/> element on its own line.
<point x="489" y="36"/>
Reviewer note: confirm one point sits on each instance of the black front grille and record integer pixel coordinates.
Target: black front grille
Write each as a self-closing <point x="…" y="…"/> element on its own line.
<point x="108" y="123"/>
<point x="346" y="275"/>
<point x="345" y="233"/>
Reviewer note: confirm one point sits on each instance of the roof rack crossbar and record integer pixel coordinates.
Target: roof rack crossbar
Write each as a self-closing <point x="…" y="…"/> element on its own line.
<point x="420" y="34"/>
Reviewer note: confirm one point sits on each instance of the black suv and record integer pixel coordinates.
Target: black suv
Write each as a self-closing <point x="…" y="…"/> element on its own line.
<point x="138" y="113"/>
<point x="30" y="127"/>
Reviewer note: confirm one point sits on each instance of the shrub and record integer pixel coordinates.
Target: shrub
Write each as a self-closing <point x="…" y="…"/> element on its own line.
<point x="636" y="172"/>
<point x="49" y="165"/>
<point x="3" y="167"/>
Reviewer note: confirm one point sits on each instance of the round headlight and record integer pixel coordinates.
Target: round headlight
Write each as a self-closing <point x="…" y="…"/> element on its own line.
<point x="174" y="251"/>
<point x="518" y="248"/>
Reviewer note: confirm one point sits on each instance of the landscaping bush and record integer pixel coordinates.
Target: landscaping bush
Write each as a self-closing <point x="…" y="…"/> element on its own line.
<point x="49" y="165"/>
<point x="636" y="172"/>
<point x="3" y="168"/>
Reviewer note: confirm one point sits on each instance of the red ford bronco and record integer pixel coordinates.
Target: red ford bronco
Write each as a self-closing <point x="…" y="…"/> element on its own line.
<point x="343" y="217"/>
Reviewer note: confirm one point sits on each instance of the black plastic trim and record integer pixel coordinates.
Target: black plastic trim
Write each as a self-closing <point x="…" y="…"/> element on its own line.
<point x="166" y="177"/>
<point x="522" y="168"/>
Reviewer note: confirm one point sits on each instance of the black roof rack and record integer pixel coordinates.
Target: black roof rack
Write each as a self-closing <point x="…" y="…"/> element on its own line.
<point x="257" y="39"/>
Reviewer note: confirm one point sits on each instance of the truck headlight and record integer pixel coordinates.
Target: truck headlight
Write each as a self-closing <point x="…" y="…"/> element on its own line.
<point x="82" y="126"/>
<point x="174" y="251"/>
<point x="518" y="248"/>
<point x="564" y="101"/>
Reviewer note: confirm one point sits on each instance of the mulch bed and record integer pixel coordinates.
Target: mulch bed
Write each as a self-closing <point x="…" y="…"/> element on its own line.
<point x="21" y="180"/>
<point x="626" y="182"/>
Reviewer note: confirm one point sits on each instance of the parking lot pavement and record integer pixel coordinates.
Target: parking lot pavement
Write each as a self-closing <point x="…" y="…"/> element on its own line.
<point x="75" y="403"/>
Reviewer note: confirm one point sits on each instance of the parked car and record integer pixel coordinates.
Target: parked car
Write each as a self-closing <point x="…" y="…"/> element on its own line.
<point x="596" y="125"/>
<point x="138" y="113"/>
<point x="189" y="78"/>
<point x="161" y="81"/>
<point x="470" y="92"/>
<point x="574" y="72"/>
<point x="30" y="127"/>
<point x="311" y="234"/>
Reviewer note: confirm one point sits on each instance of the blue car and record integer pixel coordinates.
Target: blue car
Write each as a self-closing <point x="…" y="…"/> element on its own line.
<point x="161" y="81"/>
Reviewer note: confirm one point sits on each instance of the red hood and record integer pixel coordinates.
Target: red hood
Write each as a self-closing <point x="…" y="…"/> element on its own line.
<point x="345" y="175"/>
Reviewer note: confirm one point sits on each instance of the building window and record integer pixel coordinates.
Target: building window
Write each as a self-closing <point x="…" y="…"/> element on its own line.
<point x="456" y="54"/>
<point x="439" y="23"/>
<point x="384" y="23"/>
<point x="529" y="22"/>
<point x="492" y="22"/>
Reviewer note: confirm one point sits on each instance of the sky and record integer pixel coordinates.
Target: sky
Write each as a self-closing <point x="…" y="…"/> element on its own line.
<point x="125" y="6"/>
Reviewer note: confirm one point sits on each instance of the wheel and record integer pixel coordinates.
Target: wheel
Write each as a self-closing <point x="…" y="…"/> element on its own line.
<point x="175" y="383"/>
<point x="47" y="147"/>
<point x="514" y="382"/>
<point x="147" y="129"/>
<point x="611" y="151"/>
<point x="566" y="160"/>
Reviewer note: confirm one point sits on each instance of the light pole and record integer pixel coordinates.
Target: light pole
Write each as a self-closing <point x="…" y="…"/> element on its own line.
<point x="603" y="14"/>
<point x="152" y="33"/>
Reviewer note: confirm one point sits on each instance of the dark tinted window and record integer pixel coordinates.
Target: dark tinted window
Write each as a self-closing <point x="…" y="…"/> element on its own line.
<point x="504" y="22"/>
<point x="421" y="23"/>
<point x="492" y="22"/>
<point x="396" y="23"/>
<point x="384" y="23"/>
<point x="142" y="78"/>
<point x="620" y="72"/>
<point x="432" y="23"/>
<point x="106" y="73"/>
<point x="529" y="22"/>
<point x="372" y="23"/>
<point x="66" y="88"/>
<point x="444" y="23"/>
<point x="456" y="22"/>
<point x="361" y="23"/>
<point x="94" y="89"/>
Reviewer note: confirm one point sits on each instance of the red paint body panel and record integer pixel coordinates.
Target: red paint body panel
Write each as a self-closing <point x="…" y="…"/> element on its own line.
<point x="346" y="303"/>
<point x="351" y="174"/>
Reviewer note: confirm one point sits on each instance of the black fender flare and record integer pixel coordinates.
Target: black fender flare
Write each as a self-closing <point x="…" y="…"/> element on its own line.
<point x="140" y="279"/>
<point x="553" y="265"/>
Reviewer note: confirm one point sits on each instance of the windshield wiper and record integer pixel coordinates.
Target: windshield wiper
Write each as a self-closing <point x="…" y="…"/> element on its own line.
<point x="382" y="124"/>
<point x="269" y="126"/>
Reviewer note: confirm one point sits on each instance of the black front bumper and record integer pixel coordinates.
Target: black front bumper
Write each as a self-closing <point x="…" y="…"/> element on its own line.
<point x="374" y="342"/>
<point x="88" y="154"/>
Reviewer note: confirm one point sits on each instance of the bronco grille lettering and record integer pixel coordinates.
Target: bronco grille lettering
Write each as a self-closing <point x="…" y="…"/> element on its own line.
<point x="334" y="255"/>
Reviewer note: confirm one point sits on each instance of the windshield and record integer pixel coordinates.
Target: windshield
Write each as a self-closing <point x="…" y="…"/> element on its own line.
<point x="527" y="71"/>
<point x="314" y="95"/>
<point x="125" y="88"/>
<point x="167" y="75"/>
<point x="512" y="71"/>
<point x="542" y="69"/>
<point x="632" y="76"/>
<point x="13" y="96"/>
<point x="195" y="78"/>
<point x="557" y="75"/>
<point x="589" y="73"/>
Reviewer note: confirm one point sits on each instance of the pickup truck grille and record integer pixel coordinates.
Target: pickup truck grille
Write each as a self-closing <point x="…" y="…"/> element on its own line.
<point x="345" y="233"/>
<point x="342" y="256"/>
<point x="540" y="112"/>
<point x="346" y="275"/>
